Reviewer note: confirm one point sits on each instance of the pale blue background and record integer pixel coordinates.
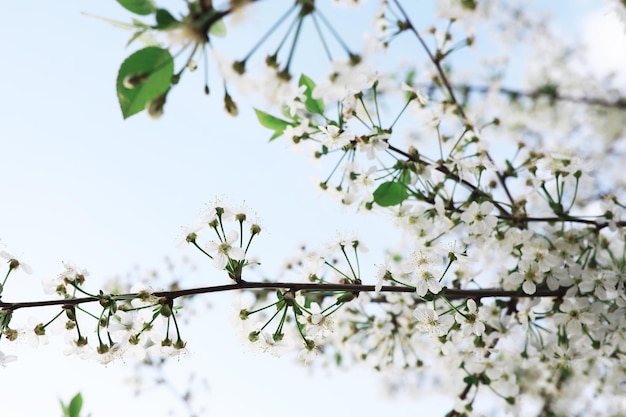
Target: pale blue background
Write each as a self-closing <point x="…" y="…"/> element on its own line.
<point x="80" y="184"/>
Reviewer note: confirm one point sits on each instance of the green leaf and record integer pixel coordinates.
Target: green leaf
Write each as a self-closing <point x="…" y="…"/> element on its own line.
<point x="312" y="105"/>
<point x="65" y="409"/>
<point x="405" y="177"/>
<point x="75" y="405"/>
<point x="390" y="194"/>
<point x="135" y="36"/>
<point x="112" y="22"/>
<point x="141" y="7"/>
<point x="338" y="359"/>
<point x="471" y="380"/>
<point x="151" y="69"/>
<point x="272" y="122"/>
<point x="165" y="20"/>
<point x="218" y="29"/>
<point x="410" y="77"/>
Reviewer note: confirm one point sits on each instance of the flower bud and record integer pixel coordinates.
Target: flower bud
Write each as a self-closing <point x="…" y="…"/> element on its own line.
<point x="13" y="263"/>
<point x="70" y="312"/>
<point x="166" y="306"/>
<point x="230" y="106"/>
<point x="40" y="329"/>
<point x="10" y="334"/>
<point x="239" y="67"/>
<point x="155" y="107"/>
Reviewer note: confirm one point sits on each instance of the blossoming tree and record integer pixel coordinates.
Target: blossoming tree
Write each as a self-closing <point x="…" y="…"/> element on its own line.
<point x="504" y="184"/>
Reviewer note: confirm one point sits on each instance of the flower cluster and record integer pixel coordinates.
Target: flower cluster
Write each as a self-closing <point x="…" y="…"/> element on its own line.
<point x="508" y="276"/>
<point x="227" y="249"/>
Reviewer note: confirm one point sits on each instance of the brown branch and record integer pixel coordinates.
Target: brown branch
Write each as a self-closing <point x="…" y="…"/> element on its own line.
<point x="620" y="103"/>
<point x="293" y="286"/>
<point x="449" y="174"/>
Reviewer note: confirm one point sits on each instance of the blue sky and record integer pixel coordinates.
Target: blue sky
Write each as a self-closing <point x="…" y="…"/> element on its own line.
<point x="82" y="185"/>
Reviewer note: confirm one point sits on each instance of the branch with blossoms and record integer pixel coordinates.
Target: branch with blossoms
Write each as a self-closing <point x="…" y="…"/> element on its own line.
<point x="325" y="289"/>
<point x="527" y="300"/>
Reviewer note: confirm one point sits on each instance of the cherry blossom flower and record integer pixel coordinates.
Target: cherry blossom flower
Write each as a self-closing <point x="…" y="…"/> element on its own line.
<point x="574" y="315"/>
<point x="225" y="250"/>
<point x="14" y="263"/>
<point x="333" y="138"/>
<point x="276" y="346"/>
<point x="318" y="326"/>
<point x="430" y="322"/>
<point x="469" y="321"/>
<point x="425" y="276"/>
<point x="479" y="218"/>
<point x="373" y="143"/>
<point x="528" y="274"/>
<point x="4" y="359"/>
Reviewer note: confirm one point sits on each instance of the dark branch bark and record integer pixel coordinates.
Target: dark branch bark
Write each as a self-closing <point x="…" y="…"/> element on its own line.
<point x="293" y="286"/>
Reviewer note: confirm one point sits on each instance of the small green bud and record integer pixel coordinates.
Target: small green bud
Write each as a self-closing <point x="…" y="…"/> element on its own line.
<point x="13" y="263"/>
<point x="230" y="106"/>
<point x="271" y="61"/>
<point x="10" y="334"/>
<point x="166" y="307"/>
<point x="61" y="290"/>
<point x="239" y="67"/>
<point x="40" y="329"/>
<point x="284" y="75"/>
<point x="70" y="312"/>
<point x="289" y="297"/>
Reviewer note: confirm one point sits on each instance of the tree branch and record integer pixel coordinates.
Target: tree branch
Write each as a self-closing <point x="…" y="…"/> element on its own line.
<point x="294" y="286"/>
